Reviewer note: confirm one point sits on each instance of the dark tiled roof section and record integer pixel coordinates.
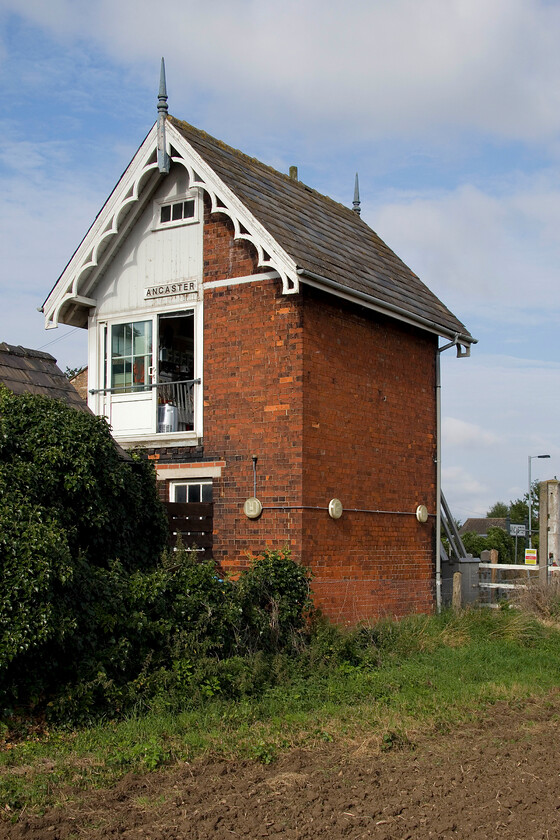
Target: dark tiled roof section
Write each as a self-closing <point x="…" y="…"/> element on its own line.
<point x="26" y="371"/>
<point x="322" y="236"/>
<point x="481" y="526"/>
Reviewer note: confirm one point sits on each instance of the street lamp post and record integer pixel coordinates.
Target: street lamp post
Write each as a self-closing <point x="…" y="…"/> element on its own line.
<point x="529" y="459"/>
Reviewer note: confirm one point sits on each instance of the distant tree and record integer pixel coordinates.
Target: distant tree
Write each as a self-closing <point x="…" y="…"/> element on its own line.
<point x="70" y="373"/>
<point x="518" y="513"/>
<point x="496" y="538"/>
<point x="499" y="510"/>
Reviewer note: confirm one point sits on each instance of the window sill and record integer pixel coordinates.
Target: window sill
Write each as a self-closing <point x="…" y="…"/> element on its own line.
<point x="153" y="440"/>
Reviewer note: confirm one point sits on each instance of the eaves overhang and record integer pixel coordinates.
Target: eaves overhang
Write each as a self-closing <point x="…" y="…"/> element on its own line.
<point x="384" y="307"/>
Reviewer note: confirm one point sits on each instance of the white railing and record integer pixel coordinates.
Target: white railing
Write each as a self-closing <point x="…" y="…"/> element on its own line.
<point x="497" y="578"/>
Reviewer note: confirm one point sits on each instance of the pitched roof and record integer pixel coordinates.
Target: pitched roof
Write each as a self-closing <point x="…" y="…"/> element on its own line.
<point x="26" y="371"/>
<point x="327" y="240"/>
<point x="480" y="526"/>
<point x="304" y="236"/>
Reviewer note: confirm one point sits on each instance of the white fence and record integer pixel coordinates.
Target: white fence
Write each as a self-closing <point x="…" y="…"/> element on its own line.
<point x="497" y="581"/>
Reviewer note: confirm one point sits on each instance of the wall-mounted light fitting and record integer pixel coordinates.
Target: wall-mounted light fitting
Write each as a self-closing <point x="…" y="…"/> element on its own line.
<point x="335" y="508"/>
<point x="252" y="508"/>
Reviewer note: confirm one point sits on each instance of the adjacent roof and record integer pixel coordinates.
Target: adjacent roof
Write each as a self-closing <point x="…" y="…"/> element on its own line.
<point x="26" y="371"/>
<point x="481" y="526"/>
<point x="324" y="238"/>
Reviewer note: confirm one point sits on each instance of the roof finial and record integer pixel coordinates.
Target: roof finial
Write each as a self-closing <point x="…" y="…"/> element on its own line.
<point x="356" y="202"/>
<point x="162" y="156"/>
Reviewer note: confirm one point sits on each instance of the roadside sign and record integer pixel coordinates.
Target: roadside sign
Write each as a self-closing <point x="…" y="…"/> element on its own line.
<point x="530" y="556"/>
<point x="518" y="530"/>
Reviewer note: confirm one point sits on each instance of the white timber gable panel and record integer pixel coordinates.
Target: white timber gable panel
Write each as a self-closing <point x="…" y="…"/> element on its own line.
<point x="151" y="257"/>
<point x="136" y="283"/>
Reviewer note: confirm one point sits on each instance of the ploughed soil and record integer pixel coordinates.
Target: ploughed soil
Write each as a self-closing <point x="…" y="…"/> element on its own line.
<point x="497" y="778"/>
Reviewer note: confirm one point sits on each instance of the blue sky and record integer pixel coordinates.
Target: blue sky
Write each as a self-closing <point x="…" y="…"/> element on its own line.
<point x="448" y="109"/>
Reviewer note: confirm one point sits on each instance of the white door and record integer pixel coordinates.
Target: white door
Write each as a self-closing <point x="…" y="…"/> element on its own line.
<point x="131" y="401"/>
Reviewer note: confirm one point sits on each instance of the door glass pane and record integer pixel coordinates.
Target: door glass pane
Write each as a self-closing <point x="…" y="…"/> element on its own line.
<point x="131" y="349"/>
<point x="142" y="338"/>
<point x="122" y="374"/>
<point x="122" y="340"/>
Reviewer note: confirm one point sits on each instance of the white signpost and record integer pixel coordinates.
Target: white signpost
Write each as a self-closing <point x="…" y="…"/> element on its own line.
<point x="517" y="531"/>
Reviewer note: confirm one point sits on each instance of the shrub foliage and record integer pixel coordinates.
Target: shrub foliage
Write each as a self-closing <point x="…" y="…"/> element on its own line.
<point x="71" y="506"/>
<point x="95" y="616"/>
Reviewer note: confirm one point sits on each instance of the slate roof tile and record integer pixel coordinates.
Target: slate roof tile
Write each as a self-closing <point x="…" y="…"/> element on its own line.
<point x="322" y="236"/>
<point x="481" y="525"/>
<point x="26" y="371"/>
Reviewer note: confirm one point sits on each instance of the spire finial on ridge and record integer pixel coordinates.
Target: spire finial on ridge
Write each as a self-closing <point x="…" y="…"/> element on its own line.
<point x="356" y="203"/>
<point x="162" y="156"/>
<point x="162" y="95"/>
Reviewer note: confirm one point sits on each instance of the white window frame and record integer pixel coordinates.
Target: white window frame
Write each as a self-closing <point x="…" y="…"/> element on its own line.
<point x="99" y="402"/>
<point x="188" y="482"/>
<point x="192" y="195"/>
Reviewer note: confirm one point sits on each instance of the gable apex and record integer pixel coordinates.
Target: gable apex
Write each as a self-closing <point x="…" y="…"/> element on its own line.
<point x="73" y="294"/>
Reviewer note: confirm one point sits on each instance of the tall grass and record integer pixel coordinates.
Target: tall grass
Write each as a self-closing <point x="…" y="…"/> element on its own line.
<point x="542" y="600"/>
<point x="387" y="682"/>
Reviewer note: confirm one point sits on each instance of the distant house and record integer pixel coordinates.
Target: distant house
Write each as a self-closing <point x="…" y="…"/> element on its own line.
<point x="480" y="526"/>
<point x="80" y="383"/>
<point x="269" y="352"/>
<point x="26" y="371"/>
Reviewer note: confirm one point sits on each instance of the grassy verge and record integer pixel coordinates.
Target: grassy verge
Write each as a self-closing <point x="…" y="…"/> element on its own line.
<point x="419" y="675"/>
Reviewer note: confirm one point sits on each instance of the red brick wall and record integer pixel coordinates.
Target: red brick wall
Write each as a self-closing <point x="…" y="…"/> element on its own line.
<point x="224" y="257"/>
<point x="252" y="400"/>
<point x="368" y="439"/>
<point x="253" y="406"/>
<point x="335" y="401"/>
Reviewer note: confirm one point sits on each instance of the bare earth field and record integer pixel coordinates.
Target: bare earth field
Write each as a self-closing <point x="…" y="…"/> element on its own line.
<point x="499" y="778"/>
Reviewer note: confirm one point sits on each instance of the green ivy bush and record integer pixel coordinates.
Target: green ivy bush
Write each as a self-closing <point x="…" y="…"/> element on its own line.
<point x="274" y="601"/>
<point x="175" y="636"/>
<point x="95" y="617"/>
<point x="71" y="507"/>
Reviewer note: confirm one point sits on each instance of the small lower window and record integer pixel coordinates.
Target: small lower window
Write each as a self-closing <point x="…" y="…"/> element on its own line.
<point x="191" y="491"/>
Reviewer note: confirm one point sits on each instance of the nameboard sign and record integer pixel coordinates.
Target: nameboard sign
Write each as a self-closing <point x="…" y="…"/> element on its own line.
<point x="178" y="287"/>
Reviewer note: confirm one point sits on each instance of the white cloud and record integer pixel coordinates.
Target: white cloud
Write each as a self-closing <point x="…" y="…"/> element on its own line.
<point x="514" y="401"/>
<point x="364" y="68"/>
<point x="466" y="494"/>
<point x="482" y="251"/>
<point x="460" y="433"/>
<point x="45" y="209"/>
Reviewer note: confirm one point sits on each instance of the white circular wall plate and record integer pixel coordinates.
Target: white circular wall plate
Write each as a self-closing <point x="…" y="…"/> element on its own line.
<point x="252" y="508"/>
<point x="335" y="508"/>
<point x="422" y="513"/>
